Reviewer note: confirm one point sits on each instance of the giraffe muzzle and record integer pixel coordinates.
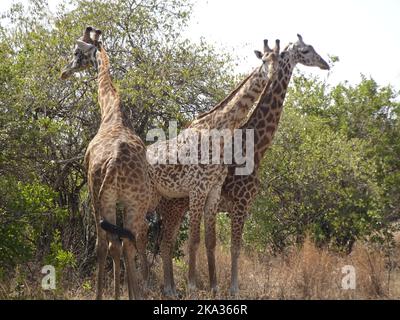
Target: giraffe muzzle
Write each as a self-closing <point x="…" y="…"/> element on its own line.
<point x="324" y="65"/>
<point x="65" y="73"/>
<point x="63" y="76"/>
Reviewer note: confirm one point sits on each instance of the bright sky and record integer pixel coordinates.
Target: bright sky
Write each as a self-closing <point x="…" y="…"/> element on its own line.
<point x="365" y="34"/>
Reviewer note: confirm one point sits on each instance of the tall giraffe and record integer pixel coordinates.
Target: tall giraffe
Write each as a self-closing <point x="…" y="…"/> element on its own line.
<point x="117" y="172"/>
<point x="239" y="192"/>
<point x="202" y="183"/>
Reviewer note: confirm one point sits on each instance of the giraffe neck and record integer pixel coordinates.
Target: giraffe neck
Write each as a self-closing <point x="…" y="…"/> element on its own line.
<point x="108" y="96"/>
<point x="235" y="110"/>
<point x="265" y="118"/>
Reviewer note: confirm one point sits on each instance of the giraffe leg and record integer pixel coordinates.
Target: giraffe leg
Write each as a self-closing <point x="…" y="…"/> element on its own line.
<point x="237" y="223"/>
<point x="133" y="218"/>
<point x="210" y="240"/>
<point x="141" y="244"/>
<point x="129" y="258"/>
<point x="197" y="203"/>
<point x="101" y="245"/>
<point x="115" y="252"/>
<point x="172" y="217"/>
<point x="210" y="236"/>
<point x="108" y="212"/>
<point x="101" y="248"/>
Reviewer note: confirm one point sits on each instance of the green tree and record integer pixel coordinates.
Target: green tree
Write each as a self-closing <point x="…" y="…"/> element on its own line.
<point x="328" y="170"/>
<point x="46" y="123"/>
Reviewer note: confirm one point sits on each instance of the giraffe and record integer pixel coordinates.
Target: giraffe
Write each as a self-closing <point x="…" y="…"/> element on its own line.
<point x="117" y="172"/>
<point x="239" y="192"/>
<point x="202" y="183"/>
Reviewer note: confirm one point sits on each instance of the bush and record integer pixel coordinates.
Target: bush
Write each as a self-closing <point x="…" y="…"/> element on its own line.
<point x="27" y="210"/>
<point x="315" y="179"/>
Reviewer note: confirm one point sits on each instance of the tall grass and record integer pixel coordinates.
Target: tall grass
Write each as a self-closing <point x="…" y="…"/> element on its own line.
<point x="304" y="272"/>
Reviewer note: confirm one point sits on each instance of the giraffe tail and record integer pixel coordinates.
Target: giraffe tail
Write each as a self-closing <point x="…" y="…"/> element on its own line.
<point x="119" y="231"/>
<point x="110" y="182"/>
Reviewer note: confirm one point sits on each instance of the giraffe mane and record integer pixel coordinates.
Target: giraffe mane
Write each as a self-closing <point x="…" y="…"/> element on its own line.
<point x="229" y="97"/>
<point x="288" y="46"/>
<point x="259" y="101"/>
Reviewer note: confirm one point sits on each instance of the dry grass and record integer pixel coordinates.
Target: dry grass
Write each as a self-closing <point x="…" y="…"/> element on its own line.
<point x="299" y="273"/>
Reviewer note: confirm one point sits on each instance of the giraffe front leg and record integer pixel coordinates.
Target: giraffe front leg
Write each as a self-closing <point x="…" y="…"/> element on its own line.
<point x="237" y="223"/>
<point x="141" y="244"/>
<point x="210" y="234"/>
<point x="197" y="204"/>
<point x="166" y="255"/>
<point x="172" y="213"/>
<point x="210" y="239"/>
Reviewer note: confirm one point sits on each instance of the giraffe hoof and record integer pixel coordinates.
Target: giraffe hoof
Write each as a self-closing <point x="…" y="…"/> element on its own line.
<point x="138" y="297"/>
<point x="234" y="292"/>
<point x="145" y="294"/>
<point x="170" y="293"/>
<point x="146" y="289"/>
<point x="214" y="291"/>
<point x="192" y="289"/>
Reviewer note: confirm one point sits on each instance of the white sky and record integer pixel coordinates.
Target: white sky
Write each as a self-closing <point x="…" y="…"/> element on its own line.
<point x="365" y="34"/>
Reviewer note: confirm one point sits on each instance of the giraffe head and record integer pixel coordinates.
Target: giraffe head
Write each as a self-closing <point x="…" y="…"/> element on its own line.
<point x="306" y="54"/>
<point x="85" y="53"/>
<point x="269" y="58"/>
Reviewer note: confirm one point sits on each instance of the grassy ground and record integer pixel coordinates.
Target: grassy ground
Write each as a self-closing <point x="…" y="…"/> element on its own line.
<point x="299" y="273"/>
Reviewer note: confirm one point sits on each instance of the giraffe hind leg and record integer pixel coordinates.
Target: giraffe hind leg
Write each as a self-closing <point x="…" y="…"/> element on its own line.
<point x="133" y="221"/>
<point x="115" y="249"/>
<point x="108" y="216"/>
<point x="101" y="250"/>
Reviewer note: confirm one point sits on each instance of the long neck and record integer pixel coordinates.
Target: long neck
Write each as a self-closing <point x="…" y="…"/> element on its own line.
<point x="235" y="110"/>
<point x="108" y="96"/>
<point x="265" y="118"/>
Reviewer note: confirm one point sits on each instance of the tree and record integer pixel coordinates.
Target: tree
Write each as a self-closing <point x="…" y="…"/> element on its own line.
<point x="328" y="170"/>
<point x="46" y="123"/>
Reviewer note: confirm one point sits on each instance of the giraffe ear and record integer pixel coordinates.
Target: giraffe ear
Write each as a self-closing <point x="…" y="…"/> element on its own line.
<point x="86" y="35"/>
<point x="300" y="39"/>
<point x="259" y="55"/>
<point x="84" y="46"/>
